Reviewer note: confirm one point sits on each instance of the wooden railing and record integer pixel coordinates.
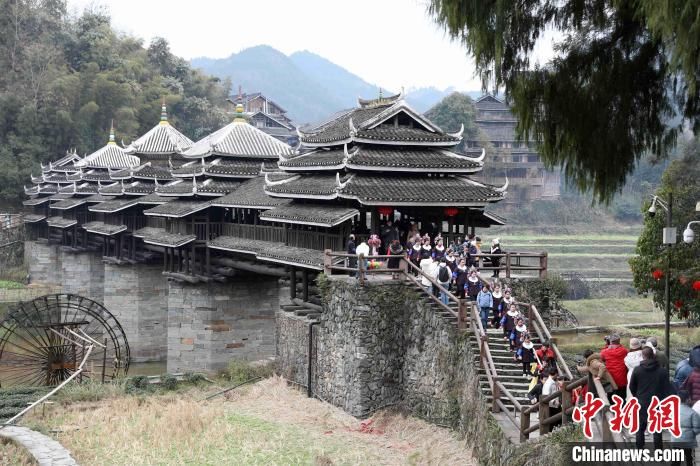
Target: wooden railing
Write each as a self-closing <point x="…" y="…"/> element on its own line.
<point x="405" y="271"/>
<point x="514" y="262"/>
<point x="335" y="262"/>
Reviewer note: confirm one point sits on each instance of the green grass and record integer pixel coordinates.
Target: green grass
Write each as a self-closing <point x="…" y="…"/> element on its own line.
<point x="614" y="311"/>
<point x="10" y="285"/>
<point x="595" y="238"/>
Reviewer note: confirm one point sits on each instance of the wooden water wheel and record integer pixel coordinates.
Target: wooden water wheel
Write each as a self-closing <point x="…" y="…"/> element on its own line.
<point x="43" y="342"/>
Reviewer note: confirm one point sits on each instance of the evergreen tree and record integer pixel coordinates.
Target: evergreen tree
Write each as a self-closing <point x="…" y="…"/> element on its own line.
<point x="66" y="78"/>
<point x="622" y="73"/>
<point x="650" y="264"/>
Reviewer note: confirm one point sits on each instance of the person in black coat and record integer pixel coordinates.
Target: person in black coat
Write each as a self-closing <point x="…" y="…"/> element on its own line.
<point x="460" y="275"/>
<point x="496" y="261"/>
<point x="396" y="251"/>
<point x="649" y="379"/>
<point x="351" y="249"/>
<point x="526" y="355"/>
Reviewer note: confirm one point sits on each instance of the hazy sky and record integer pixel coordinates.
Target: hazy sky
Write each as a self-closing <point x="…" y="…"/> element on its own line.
<point x="392" y="43"/>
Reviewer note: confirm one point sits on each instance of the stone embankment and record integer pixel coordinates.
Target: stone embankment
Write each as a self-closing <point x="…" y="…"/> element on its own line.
<point x="45" y="450"/>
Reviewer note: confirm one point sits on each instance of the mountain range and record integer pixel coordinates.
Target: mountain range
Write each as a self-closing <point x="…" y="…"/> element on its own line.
<point x="308" y="86"/>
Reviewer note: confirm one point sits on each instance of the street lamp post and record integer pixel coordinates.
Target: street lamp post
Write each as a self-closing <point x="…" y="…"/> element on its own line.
<point x="669" y="239"/>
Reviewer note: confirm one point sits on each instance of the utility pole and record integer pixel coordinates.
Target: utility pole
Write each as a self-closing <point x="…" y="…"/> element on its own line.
<point x="667" y="284"/>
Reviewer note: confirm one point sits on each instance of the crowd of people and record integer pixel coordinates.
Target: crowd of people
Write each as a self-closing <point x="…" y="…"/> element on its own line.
<point x="641" y="371"/>
<point x="428" y="251"/>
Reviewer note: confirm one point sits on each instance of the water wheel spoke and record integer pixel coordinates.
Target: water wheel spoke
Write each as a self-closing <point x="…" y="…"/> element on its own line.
<point x="37" y="348"/>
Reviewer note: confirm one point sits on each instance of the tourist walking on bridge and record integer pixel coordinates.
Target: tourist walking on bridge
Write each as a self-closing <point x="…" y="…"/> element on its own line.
<point x="396" y="251"/>
<point x="692" y="382"/>
<point x="614" y="358"/>
<point x="429" y="269"/>
<point x="690" y="428"/>
<point x="497" y="298"/>
<point x="495" y="260"/>
<point x="443" y="277"/>
<point x="362" y="253"/>
<point x="633" y="359"/>
<point x="484" y="300"/>
<point x="648" y="380"/>
<point x="460" y="276"/>
<point x="526" y="355"/>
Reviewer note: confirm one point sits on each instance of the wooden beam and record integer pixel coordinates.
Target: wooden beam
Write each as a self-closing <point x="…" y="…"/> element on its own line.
<point x="292" y="282"/>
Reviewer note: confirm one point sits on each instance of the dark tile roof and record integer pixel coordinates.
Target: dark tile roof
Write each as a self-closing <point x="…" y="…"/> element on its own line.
<point x="250" y="194"/>
<point x="405" y="134"/>
<point x="33" y="218"/>
<point x="270" y="251"/>
<point x="102" y="228"/>
<point x="447" y="191"/>
<point x="41" y="189"/>
<point x="114" y="205"/>
<point x="60" y="197"/>
<point x="327" y="159"/>
<point x="270" y="166"/>
<point x="420" y="160"/>
<point x="234" y="168"/>
<point x="177" y="208"/>
<point x="67" y="204"/>
<point x="98" y="198"/>
<point x="490" y="102"/>
<point x="188" y="170"/>
<point x="208" y="187"/>
<point x="338" y="129"/>
<point x="83" y="188"/>
<point x="139" y="188"/>
<point x="310" y="214"/>
<point x="159" y="237"/>
<point x="145" y="171"/>
<point x="368" y="115"/>
<point x="55" y="178"/>
<point x="65" y="161"/>
<point x="114" y="188"/>
<point x="314" y="186"/>
<point x="36" y="201"/>
<point x="151" y="199"/>
<point x="60" y="222"/>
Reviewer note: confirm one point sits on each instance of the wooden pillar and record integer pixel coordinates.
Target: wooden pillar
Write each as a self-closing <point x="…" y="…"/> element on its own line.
<point x="193" y="256"/>
<point x="305" y="284"/>
<point x="374" y="221"/>
<point x="165" y="259"/>
<point x="292" y="282"/>
<point x="208" y="261"/>
<point x="466" y="222"/>
<point x="133" y="247"/>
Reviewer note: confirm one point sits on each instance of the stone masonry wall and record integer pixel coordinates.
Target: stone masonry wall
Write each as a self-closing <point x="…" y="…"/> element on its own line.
<point x="210" y="324"/>
<point x="137" y="295"/>
<point x="44" y="262"/>
<point x="380" y="345"/>
<point x="83" y="274"/>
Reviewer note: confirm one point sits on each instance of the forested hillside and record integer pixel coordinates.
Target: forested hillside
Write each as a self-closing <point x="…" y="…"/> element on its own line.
<point x="65" y="78"/>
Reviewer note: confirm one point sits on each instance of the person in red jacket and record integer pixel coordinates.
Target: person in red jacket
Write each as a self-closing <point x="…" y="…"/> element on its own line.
<point x="614" y="358"/>
<point x="692" y="384"/>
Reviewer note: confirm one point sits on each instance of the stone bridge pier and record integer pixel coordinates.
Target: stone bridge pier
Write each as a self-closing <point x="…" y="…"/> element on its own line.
<point x="210" y="324"/>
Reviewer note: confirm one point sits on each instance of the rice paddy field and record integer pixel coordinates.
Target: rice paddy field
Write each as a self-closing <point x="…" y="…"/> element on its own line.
<point x="595" y="256"/>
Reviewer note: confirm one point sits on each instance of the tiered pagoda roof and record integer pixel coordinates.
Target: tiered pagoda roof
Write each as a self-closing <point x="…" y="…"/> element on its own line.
<point x="220" y="162"/>
<point x="383" y="153"/>
<point x="162" y="141"/>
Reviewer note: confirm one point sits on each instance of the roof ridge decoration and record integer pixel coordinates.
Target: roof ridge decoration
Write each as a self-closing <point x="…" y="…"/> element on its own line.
<point x="458" y="134"/>
<point x="379" y="101"/>
<point x="240" y="117"/>
<point x="163" y="114"/>
<point x="353" y="130"/>
<point x="394" y="109"/>
<point x="503" y="188"/>
<point x="286" y="180"/>
<point x="111" y="134"/>
<point x="340" y="185"/>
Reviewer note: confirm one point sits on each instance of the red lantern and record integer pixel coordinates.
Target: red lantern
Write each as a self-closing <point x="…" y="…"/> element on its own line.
<point x="657" y="274"/>
<point x="678" y="303"/>
<point x="386" y="211"/>
<point x="451" y="211"/>
<point x="696" y="285"/>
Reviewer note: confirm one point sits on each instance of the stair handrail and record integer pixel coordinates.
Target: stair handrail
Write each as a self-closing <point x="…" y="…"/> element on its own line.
<point x="535" y="319"/>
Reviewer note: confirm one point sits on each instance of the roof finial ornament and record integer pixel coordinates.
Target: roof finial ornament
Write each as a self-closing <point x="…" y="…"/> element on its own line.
<point x="194" y="185"/>
<point x="240" y="118"/>
<point x="111" y="134"/>
<point x="170" y="162"/>
<point x="380" y="93"/>
<point x="353" y="130"/>
<point x="163" y="113"/>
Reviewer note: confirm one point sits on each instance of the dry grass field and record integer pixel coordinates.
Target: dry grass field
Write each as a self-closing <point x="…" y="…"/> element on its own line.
<point x="267" y="423"/>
